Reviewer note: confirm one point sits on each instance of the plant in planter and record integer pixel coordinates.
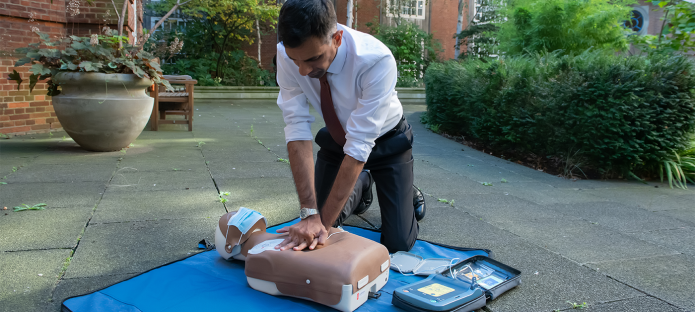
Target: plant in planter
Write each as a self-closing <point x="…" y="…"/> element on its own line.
<point x="97" y="83"/>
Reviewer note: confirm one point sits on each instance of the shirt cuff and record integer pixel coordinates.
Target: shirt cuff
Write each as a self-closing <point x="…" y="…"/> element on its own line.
<point x="300" y="131"/>
<point x="358" y="150"/>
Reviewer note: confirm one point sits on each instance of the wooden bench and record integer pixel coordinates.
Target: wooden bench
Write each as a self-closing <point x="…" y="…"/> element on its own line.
<point x="179" y="102"/>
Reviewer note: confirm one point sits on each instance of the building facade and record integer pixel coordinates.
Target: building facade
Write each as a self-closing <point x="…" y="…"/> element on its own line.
<point x="22" y="111"/>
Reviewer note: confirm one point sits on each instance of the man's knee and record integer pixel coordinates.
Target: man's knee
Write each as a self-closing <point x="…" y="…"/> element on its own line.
<point x="396" y="243"/>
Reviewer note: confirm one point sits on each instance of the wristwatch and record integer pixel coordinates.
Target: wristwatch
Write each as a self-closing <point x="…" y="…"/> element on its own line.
<point x="307" y="212"/>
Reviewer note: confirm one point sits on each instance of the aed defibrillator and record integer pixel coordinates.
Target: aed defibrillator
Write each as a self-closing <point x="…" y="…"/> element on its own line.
<point x="462" y="287"/>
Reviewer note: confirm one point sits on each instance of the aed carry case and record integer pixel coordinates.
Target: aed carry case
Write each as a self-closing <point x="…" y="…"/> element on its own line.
<point x="463" y="287"/>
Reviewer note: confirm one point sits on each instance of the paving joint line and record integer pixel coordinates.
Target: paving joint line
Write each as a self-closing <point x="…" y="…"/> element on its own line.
<point x="659" y="230"/>
<point x="39" y="249"/>
<point x="643" y="292"/>
<point x="200" y="147"/>
<point x="367" y="221"/>
<point x="67" y="261"/>
<point x="629" y="259"/>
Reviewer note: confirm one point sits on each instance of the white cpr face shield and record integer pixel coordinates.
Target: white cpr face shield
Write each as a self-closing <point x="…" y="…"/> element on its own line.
<point x="235" y="228"/>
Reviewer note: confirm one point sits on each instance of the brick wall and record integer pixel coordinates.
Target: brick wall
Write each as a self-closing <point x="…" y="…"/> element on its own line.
<point x="443" y="25"/>
<point x="21" y="111"/>
<point x="365" y="11"/>
<point x="92" y="18"/>
<point x="268" y="49"/>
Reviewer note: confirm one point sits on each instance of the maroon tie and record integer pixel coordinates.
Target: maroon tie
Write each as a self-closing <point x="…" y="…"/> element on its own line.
<point x="329" y="115"/>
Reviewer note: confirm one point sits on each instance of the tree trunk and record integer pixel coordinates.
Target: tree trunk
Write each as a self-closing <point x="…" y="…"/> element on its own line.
<point x="218" y="69"/>
<point x="350" y="5"/>
<point x="258" y="34"/>
<point x="459" y="25"/>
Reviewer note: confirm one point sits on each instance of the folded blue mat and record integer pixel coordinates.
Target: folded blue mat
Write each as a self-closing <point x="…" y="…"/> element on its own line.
<point x="206" y="282"/>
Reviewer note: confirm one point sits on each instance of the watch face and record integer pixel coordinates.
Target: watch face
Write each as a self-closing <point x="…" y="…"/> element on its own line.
<point x="302" y="213"/>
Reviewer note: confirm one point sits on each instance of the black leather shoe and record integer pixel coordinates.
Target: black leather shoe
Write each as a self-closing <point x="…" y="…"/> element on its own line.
<point x="367" y="197"/>
<point x="418" y="203"/>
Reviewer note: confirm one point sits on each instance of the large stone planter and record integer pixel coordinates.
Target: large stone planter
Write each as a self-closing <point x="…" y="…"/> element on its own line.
<point x="102" y="112"/>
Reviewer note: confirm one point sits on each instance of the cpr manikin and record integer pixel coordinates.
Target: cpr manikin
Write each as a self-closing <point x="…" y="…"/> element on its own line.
<point x="339" y="274"/>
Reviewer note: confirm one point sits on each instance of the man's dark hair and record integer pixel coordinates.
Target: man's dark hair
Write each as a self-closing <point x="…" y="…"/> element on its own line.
<point x="301" y="19"/>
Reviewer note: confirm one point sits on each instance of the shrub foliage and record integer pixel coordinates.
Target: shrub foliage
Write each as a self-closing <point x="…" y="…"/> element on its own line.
<point x="572" y="26"/>
<point x="620" y="114"/>
<point x="413" y="48"/>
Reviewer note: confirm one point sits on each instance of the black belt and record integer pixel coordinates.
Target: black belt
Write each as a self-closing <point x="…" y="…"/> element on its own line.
<point x="393" y="130"/>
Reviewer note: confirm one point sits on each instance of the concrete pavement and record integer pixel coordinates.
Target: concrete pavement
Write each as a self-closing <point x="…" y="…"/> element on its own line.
<point x="616" y="245"/>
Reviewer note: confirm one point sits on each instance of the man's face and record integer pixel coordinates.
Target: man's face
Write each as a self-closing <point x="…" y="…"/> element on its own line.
<point x="314" y="56"/>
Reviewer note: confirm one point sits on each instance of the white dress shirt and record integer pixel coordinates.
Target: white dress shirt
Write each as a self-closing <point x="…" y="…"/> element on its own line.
<point x="362" y="79"/>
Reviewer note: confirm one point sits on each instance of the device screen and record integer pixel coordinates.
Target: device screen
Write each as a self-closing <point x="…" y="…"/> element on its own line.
<point x="435" y="290"/>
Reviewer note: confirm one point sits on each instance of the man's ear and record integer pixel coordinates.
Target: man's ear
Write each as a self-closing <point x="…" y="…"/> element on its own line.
<point x="337" y="38"/>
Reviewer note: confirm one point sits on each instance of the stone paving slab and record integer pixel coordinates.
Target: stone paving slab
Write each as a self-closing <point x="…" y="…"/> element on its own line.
<point x="259" y="154"/>
<point x="681" y="239"/>
<point x="135" y="247"/>
<point x="583" y="241"/>
<point x="22" y="287"/>
<point x="650" y="198"/>
<point x="501" y="207"/>
<point x="130" y="179"/>
<point x="42" y="229"/>
<point x="60" y="153"/>
<point x="275" y="198"/>
<point x="620" y="217"/>
<point x="164" y="163"/>
<point x="686" y="215"/>
<point x="442" y="182"/>
<point x="666" y="277"/>
<point x="156" y="205"/>
<point x="55" y="195"/>
<point x="638" y="304"/>
<point x="65" y="173"/>
<point x="241" y="170"/>
<point x="563" y="196"/>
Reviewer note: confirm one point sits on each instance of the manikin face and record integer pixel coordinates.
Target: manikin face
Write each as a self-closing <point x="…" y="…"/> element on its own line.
<point x="314" y="56"/>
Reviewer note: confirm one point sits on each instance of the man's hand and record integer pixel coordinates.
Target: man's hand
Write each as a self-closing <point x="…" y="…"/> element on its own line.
<point x="307" y="233"/>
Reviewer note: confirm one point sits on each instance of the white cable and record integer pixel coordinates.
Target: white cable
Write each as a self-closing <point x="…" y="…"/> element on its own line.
<point x="406" y="274"/>
<point x="451" y="263"/>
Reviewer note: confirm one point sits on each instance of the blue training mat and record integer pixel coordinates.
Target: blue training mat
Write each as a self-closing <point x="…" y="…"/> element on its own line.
<point x="206" y="282"/>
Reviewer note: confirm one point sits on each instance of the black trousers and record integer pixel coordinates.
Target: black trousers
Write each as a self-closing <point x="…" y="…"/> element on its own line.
<point x="391" y="166"/>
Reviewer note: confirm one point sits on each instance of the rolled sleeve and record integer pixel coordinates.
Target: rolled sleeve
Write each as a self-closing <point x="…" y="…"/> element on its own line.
<point x="366" y="121"/>
<point x="293" y="103"/>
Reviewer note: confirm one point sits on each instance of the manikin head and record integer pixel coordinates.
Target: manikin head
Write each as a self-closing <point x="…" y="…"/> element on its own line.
<point x="308" y="30"/>
<point x="229" y="238"/>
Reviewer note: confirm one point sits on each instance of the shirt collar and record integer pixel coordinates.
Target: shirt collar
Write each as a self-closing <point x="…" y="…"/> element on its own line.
<point x="339" y="60"/>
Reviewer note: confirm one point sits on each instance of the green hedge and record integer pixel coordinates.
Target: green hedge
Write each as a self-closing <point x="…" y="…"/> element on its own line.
<point x="622" y="114"/>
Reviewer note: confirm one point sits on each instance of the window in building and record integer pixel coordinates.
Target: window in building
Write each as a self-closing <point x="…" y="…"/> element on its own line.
<point x="639" y="20"/>
<point x="169" y="24"/>
<point x="636" y="22"/>
<point x="406" y="8"/>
